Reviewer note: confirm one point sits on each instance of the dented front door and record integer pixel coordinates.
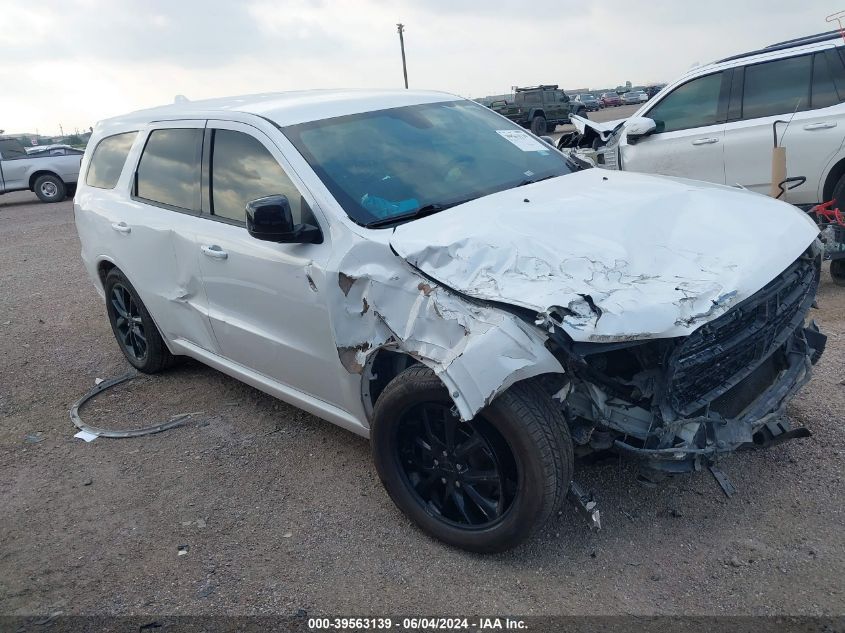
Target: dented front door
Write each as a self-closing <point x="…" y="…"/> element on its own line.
<point x="267" y="301"/>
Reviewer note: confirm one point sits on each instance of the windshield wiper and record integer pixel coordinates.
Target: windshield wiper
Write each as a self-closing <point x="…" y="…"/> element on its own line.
<point x="531" y="182"/>
<point x="423" y="211"/>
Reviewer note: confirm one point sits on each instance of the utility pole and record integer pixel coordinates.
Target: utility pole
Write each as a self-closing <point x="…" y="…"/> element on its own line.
<point x="401" y="29"/>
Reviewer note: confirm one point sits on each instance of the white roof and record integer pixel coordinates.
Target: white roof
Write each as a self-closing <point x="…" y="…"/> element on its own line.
<point x="287" y="108"/>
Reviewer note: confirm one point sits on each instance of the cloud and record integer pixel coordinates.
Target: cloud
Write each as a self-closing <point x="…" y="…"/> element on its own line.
<point x="76" y="61"/>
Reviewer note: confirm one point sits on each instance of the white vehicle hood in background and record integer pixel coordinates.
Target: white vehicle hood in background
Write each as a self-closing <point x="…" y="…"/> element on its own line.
<point x="617" y="256"/>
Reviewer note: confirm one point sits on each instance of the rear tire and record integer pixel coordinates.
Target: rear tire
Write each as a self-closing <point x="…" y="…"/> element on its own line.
<point x="50" y="188"/>
<point x="488" y="498"/>
<point x="839" y="195"/>
<point x="837" y="271"/>
<point x="133" y="327"/>
<point x="538" y="125"/>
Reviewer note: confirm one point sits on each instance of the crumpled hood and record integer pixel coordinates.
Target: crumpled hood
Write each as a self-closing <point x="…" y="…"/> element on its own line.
<point x="611" y="255"/>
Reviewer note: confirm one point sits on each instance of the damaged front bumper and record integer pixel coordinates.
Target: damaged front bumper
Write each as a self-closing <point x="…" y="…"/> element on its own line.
<point x="679" y="404"/>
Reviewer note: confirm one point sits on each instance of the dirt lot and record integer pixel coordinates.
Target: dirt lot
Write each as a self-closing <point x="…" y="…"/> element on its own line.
<point x="281" y="511"/>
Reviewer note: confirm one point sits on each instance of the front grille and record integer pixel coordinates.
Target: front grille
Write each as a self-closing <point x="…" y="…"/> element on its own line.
<point x="720" y="354"/>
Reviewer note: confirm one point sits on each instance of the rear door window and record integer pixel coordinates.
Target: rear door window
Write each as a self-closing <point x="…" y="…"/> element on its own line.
<point x="169" y="170"/>
<point x="778" y="87"/>
<point x="694" y="104"/>
<point x="107" y="161"/>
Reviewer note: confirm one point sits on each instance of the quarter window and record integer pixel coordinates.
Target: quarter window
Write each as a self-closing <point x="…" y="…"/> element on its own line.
<point x="242" y="169"/>
<point x="778" y="87"/>
<point x="694" y="104"/>
<point x="169" y="171"/>
<point x="108" y="159"/>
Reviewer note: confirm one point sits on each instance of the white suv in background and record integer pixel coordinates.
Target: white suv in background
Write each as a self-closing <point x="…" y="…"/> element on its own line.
<point x="715" y="123"/>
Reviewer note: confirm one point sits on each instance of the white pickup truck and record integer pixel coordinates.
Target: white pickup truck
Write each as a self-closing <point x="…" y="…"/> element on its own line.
<point x="51" y="175"/>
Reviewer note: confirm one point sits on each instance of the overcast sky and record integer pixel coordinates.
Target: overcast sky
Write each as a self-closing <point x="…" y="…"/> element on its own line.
<point x="73" y="62"/>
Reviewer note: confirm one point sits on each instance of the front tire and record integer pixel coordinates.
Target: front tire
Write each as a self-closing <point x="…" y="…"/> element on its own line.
<point x="485" y="485"/>
<point x="133" y="327"/>
<point x="50" y="188"/>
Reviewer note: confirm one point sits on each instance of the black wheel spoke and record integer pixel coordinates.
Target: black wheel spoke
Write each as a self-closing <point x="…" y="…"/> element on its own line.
<point x="423" y="445"/>
<point x="460" y="504"/>
<point x="433" y="440"/>
<point x="481" y="477"/>
<point x="117" y="302"/>
<point x="488" y="507"/>
<point x="449" y="424"/>
<point x="474" y="442"/>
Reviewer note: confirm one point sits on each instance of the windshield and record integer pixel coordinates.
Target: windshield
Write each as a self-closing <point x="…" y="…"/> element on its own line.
<point x="404" y="162"/>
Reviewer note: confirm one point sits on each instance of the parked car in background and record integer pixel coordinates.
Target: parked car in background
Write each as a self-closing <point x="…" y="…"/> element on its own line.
<point x="634" y="97"/>
<point x="717" y="122"/>
<point x="540" y="108"/>
<point x="610" y="100"/>
<point x="589" y="101"/>
<point x="54" y="150"/>
<point x="51" y="176"/>
<point x="413" y="267"/>
<point x="651" y="91"/>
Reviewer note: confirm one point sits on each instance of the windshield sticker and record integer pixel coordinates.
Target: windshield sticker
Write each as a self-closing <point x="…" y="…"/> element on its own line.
<point x="522" y="140"/>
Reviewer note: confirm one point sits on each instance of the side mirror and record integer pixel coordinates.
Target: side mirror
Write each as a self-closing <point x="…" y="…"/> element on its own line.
<point x="639" y="127"/>
<point x="270" y="219"/>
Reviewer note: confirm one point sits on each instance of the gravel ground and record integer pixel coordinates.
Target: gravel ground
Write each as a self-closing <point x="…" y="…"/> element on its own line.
<point x="280" y="511"/>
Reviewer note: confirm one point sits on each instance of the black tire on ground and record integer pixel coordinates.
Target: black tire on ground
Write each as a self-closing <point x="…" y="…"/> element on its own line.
<point x="837" y="271"/>
<point x="538" y="125"/>
<point x="839" y="194"/>
<point x="50" y="188"/>
<point x="133" y="327"/>
<point x="583" y="113"/>
<point x="521" y="438"/>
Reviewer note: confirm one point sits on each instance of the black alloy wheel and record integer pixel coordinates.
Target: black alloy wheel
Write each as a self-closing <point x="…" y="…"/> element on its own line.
<point x="128" y="323"/>
<point x="464" y="473"/>
<point x="133" y="327"/>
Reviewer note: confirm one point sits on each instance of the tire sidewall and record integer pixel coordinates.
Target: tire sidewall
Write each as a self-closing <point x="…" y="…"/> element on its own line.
<point x="526" y="509"/>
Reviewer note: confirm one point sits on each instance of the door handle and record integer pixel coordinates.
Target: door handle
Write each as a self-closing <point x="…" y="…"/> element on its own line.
<point x="705" y="141"/>
<point x="824" y="125"/>
<point x="214" y="251"/>
<point x="121" y="227"/>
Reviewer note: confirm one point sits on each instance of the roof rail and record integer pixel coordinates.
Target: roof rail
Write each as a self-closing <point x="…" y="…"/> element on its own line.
<point x="799" y="41"/>
<point x="540" y="87"/>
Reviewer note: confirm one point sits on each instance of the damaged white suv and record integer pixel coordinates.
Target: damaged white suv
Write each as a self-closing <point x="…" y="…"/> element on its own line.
<point x="419" y="270"/>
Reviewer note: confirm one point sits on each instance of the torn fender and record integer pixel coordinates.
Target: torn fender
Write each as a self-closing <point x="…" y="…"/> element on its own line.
<point x="477" y="350"/>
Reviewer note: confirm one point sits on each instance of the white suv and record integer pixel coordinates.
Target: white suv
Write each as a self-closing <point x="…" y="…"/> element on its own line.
<point x="715" y="123"/>
<point x="418" y="269"/>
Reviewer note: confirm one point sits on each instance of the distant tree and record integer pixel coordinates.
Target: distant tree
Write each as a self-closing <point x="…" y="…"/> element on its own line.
<point x="74" y="139"/>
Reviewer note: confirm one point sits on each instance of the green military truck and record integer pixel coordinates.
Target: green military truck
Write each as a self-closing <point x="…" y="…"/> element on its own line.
<point x="539" y="108"/>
